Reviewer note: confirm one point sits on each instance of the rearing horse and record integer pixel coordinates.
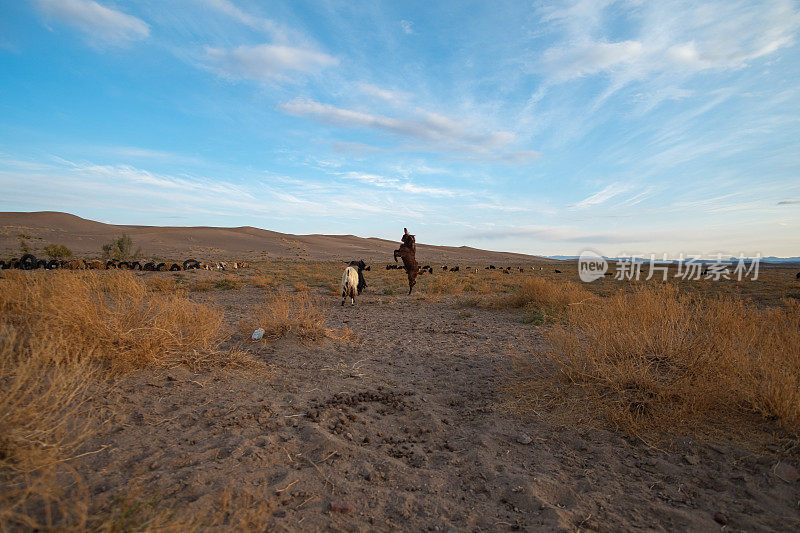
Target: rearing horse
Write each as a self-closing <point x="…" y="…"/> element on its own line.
<point x="408" y="252"/>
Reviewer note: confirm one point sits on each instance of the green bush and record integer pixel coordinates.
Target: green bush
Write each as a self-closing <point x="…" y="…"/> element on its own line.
<point x="120" y="248"/>
<point x="57" y="251"/>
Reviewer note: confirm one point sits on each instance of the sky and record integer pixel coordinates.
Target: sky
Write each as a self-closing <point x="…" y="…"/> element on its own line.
<point x="624" y="127"/>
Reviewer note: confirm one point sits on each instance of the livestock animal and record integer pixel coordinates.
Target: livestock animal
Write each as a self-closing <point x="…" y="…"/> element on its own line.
<point x="350" y="284"/>
<point x="557" y="271"/>
<point x="454" y="269"/>
<point x="797" y="276"/>
<point x="444" y="267"/>
<point x="361" y="267"/>
<point x="408" y="252"/>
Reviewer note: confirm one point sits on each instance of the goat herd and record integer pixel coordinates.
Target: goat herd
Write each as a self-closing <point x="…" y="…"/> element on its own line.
<point x="30" y="262"/>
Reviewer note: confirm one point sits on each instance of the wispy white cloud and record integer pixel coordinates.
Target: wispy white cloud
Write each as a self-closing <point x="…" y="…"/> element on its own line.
<point x="675" y="38"/>
<point x="98" y="22"/>
<point x="577" y="60"/>
<point x="408" y="26"/>
<point x="427" y="126"/>
<point x="266" y="62"/>
<point x="257" y="23"/>
<point x="393" y="97"/>
<point x="406" y="186"/>
<point x="557" y="233"/>
<point x="603" y="196"/>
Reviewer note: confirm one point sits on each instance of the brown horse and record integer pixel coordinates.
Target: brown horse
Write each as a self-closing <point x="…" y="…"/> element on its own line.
<point x="407" y="252"/>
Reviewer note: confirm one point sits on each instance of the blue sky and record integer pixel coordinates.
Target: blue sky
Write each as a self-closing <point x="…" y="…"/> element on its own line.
<point x="540" y="127"/>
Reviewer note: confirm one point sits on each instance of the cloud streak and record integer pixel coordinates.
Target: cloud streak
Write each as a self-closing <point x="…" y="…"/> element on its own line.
<point x="427" y="126"/>
<point x="266" y="62"/>
<point x="98" y="22"/>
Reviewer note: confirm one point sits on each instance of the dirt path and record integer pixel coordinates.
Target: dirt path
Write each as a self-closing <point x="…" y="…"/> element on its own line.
<point x="406" y="430"/>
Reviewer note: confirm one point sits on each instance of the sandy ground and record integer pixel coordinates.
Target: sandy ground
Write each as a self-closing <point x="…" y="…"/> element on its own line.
<point x="406" y="429"/>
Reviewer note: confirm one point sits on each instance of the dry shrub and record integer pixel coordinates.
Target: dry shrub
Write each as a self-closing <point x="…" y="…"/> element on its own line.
<point x="261" y="281"/>
<point x="301" y="287"/>
<point x="43" y="422"/>
<point x="553" y="299"/>
<point x="202" y="285"/>
<point x="58" y="331"/>
<point x="228" y="283"/>
<point x="284" y="313"/>
<point x="659" y="358"/>
<point x="110" y="317"/>
<point x="159" y="284"/>
<point x="445" y="284"/>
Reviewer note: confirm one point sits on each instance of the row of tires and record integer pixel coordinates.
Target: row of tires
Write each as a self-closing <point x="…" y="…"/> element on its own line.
<point x="30" y="262"/>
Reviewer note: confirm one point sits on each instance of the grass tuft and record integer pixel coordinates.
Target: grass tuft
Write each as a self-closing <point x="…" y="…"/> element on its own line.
<point x="298" y="314"/>
<point x="656" y="358"/>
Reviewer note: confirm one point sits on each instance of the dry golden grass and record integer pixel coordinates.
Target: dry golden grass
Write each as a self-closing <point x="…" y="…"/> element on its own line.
<point x="298" y="314"/>
<point x="229" y="282"/>
<point x="110" y="317"/>
<point x="202" y="285"/>
<point x="43" y="422"/>
<point x="161" y="284"/>
<point x="301" y="287"/>
<point x="262" y="281"/>
<point x="551" y="298"/>
<point x="657" y="358"/>
<point x="58" y="332"/>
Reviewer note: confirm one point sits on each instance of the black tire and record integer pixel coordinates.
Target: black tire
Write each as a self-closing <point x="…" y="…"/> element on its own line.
<point x="191" y="263"/>
<point x="175" y="267"/>
<point x="123" y="265"/>
<point x="112" y="264"/>
<point x="149" y="266"/>
<point x="135" y="265"/>
<point x="4" y="265"/>
<point x="27" y="262"/>
<point x="53" y="264"/>
<point x="161" y="267"/>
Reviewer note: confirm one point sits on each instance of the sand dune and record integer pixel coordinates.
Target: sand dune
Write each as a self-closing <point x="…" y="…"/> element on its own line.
<point x="85" y="238"/>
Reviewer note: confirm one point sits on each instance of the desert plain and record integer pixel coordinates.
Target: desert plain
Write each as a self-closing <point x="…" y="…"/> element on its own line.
<point x="483" y="401"/>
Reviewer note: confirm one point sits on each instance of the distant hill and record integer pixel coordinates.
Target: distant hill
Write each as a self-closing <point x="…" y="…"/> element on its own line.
<point x="85" y="238"/>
